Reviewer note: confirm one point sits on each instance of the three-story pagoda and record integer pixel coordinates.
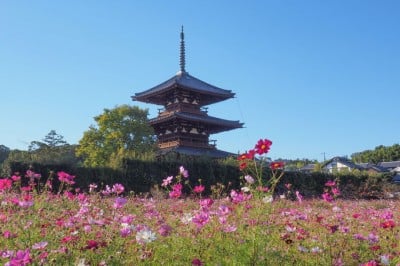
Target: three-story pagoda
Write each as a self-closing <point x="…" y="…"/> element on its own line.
<point x="183" y="125"/>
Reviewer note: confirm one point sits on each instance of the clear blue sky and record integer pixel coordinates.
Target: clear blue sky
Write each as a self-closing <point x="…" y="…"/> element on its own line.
<point x="313" y="76"/>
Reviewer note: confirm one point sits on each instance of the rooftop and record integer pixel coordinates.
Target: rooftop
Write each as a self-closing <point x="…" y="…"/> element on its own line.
<point x="213" y="153"/>
<point x="215" y="124"/>
<point x="182" y="80"/>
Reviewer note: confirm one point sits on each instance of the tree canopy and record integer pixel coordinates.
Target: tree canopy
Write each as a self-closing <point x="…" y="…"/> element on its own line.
<point x="121" y="132"/>
<point x="52" y="149"/>
<point x="4" y="152"/>
<point x="379" y="154"/>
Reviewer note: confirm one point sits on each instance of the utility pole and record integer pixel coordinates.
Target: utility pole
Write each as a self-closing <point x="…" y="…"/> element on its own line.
<point x="324" y="156"/>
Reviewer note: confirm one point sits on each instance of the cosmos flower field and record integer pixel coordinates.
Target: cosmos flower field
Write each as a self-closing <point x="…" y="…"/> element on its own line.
<point x="106" y="228"/>
<point x="250" y="226"/>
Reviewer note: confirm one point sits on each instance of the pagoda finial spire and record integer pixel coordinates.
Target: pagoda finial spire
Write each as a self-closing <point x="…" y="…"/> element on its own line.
<point x="182" y="52"/>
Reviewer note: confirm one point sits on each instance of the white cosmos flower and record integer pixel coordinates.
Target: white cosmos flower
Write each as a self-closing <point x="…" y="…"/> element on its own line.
<point x="145" y="236"/>
<point x="268" y="199"/>
<point x="245" y="189"/>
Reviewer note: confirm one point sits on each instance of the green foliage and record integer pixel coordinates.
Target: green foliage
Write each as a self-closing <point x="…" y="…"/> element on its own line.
<point x="122" y="132"/>
<point x="353" y="185"/>
<point x="293" y="165"/>
<point x="52" y="150"/>
<point x="379" y="154"/>
<point x="4" y="152"/>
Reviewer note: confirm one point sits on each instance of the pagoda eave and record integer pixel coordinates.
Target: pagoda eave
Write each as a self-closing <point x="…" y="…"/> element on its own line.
<point x="208" y="93"/>
<point x="212" y="152"/>
<point x="207" y="120"/>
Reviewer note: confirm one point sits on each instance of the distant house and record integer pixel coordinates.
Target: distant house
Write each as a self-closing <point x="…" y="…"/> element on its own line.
<point x="372" y="168"/>
<point x="308" y="168"/>
<point x="389" y="166"/>
<point x="396" y="170"/>
<point x="396" y="177"/>
<point x="340" y="164"/>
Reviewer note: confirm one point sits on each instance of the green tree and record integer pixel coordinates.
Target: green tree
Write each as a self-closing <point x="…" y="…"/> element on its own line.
<point x="4" y="152"/>
<point x="379" y="154"/>
<point x="50" y="141"/>
<point x="53" y="149"/>
<point x="122" y="132"/>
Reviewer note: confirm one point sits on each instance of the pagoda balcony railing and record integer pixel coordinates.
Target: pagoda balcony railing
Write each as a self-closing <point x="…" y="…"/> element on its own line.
<point x="168" y="144"/>
<point x="183" y="108"/>
<point x="187" y="143"/>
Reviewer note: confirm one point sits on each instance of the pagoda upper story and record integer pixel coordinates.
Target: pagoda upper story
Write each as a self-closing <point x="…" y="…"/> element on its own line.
<point x="183" y="124"/>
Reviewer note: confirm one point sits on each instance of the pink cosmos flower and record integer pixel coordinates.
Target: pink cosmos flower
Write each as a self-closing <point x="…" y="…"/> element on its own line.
<point x="299" y="196"/>
<point x="5" y="254"/>
<point x="201" y="219"/>
<point x="119" y="203"/>
<point x="206" y="203"/>
<point x="25" y="203"/>
<point x="127" y="219"/>
<point x="87" y="228"/>
<point x="263" y="146"/>
<point x="165" y="230"/>
<point x="69" y="195"/>
<point x="359" y="237"/>
<point x="5" y="184"/>
<point x="388" y="224"/>
<point x="40" y="245"/>
<point x="229" y="228"/>
<point x="387" y="215"/>
<point x="92" y="187"/>
<point x="222" y="219"/>
<point x="330" y="183"/>
<point x="223" y="210"/>
<point x="238" y="197"/>
<point x="91" y="244"/>
<point x="167" y="181"/>
<point x="370" y="263"/>
<point x="20" y="258"/>
<point x="32" y="175"/>
<point x="175" y="194"/>
<point x="249" y="179"/>
<point x="107" y="191"/>
<point x="8" y="234"/>
<point x="16" y="178"/>
<point x="125" y="231"/>
<point x="118" y="188"/>
<point x="263" y="189"/>
<point x="197" y="262"/>
<point x="66" y="178"/>
<point x="372" y="238"/>
<point x="198" y="189"/>
<point x="26" y="188"/>
<point x="335" y="191"/>
<point x="176" y="191"/>
<point x="183" y="172"/>
<point x="327" y="197"/>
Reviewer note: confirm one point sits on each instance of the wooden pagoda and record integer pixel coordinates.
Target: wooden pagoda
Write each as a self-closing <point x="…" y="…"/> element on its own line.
<point x="183" y="125"/>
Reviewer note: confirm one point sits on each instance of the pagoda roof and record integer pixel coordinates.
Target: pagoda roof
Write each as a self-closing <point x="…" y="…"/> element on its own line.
<point x="213" y="153"/>
<point x="182" y="80"/>
<point x="215" y="124"/>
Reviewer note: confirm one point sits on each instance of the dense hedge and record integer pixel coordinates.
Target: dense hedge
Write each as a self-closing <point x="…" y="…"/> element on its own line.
<point x="142" y="176"/>
<point x="352" y="185"/>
